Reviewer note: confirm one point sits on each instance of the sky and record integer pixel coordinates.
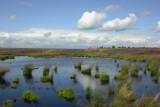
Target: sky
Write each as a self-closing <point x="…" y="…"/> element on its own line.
<point x="79" y="23"/>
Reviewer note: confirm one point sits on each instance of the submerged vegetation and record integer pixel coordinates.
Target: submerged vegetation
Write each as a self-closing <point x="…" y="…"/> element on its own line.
<point x="29" y="96"/>
<point x="68" y="94"/>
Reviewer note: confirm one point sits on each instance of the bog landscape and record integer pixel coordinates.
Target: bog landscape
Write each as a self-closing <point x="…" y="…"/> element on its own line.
<point x="80" y="77"/>
<point x="79" y="53"/>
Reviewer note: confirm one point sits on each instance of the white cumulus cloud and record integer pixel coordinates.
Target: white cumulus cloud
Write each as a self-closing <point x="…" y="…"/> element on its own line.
<point x="90" y="20"/>
<point x="12" y="17"/>
<point x="118" y="24"/>
<point x="145" y="13"/>
<point x="157" y="29"/>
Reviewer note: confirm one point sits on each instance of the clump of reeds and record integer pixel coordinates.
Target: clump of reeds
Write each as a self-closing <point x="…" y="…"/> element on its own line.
<point x="104" y="78"/>
<point x="87" y="71"/>
<point x="68" y="94"/>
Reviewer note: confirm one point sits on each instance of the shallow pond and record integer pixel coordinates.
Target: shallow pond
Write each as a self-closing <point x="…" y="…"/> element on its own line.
<point x="142" y="85"/>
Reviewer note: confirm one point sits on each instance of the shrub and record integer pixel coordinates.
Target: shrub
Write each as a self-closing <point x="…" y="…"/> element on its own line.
<point x="104" y="78"/>
<point x="78" y="66"/>
<point x="96" y="75"/>
<point x="29" y="96"/>
<point x="87" y="71"/>
<point x="73" y="76"/>
<point x="7" y="103"/>
<point x="88" y="91"/>
<point x="15" y="80"/>
<point x="68" y="94"/>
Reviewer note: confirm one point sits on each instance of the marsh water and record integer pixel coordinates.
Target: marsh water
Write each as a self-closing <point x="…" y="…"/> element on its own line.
<point x="143" y="85"/>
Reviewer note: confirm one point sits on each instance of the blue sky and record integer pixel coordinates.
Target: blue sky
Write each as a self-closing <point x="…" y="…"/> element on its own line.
<point x="114" y="18"/>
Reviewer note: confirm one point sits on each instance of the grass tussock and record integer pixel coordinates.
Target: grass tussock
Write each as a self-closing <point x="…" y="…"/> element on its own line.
<point x="46" y="70"/>
<point x="73" y="76"/>
<point x="88" y="92"/>
<point x="48" y="78"/>
<point x="104" y="78"/>
<point x="28" y="70"/>
<point x="96" y="75"/>
<point x="125" y="96"/>
<point x="67" y="94"/>
<point x="134" y="71"/>
<point x="78" y="66"/>
<point x="87" y="71"/>
<point x="3" y="71"/>
<point x="7" y="103"/>
<point x="147" y="102"/>
<point x="29" y="96"/>
<point x="97" y="67"/>
<point x="123" y="72"/>
<point x="15" y="80"/>
<point x="55" y="68"/>
<point x="98" y="100"/>
<point x="111" y="91"/>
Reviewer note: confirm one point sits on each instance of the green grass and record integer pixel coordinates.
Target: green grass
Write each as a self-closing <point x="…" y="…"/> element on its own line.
<point x="134" y="71"/>
<point x="98" y="101"/>
<point x="96" y="75"/>
<point x="104" y="78"/>
<point x="146" y="102"/>
<point x="125" y="96"/>
<point x="46" y="70"/>
<point x="7" y="103"/>
<point x="88" y="92"/>
<point x="28" y="70"/>
<point x="78" y="66"/>
<point x="48" y="78"/>
<point x="67" y="94"/>
<point x="87" y="71"/>
<point x="73" y="76"/>
<point x="29" y="96"/>
<point x="5" y="57"/>
<point x="15" y="80"/>
<point x="111" y="91"/>
<point x="3" y="71"/>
